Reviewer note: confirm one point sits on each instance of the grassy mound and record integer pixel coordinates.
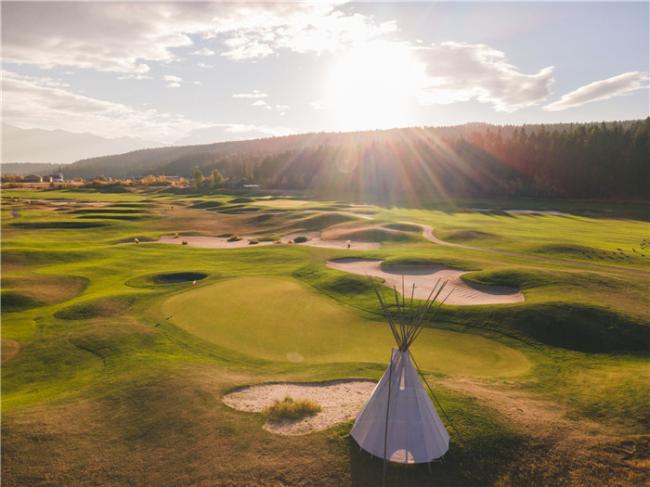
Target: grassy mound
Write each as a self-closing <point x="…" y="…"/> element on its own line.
<point x="528" y="279"/>
<point x="176" y="277"/>
<point x="59" y="224"/>
<point x="516" y="278"/>
<point x="346" y="284"/>
<point x="235" y="210"/>
<point x="376" y="235"/>
<point x="404" y="227"/>
<point x="565" y="250"/>
<point x="583" y="328"/>
<point x="290" y="409"/>
<point x="43" y="257"/>
<point x="464" y="235"/>
<point x="103" y="216"/>
<point x="206" y="205"/>
<point x="13" y="301"/>
<point x="99" y="308"/>
<point x="415" y="260"/>
<point x="573" y="326"/>
<point x="322" y="220"/>
<point x="261" y="218"/>
<point x="45" y="289"/>
<point x="105" y="211"/>
<point x="130" y="205"/>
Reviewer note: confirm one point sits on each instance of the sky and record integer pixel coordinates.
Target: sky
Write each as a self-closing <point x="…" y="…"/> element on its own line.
<point x="185" y="73"/>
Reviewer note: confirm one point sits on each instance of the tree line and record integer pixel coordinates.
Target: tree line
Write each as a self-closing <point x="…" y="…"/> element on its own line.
<point x="572" y="160"/>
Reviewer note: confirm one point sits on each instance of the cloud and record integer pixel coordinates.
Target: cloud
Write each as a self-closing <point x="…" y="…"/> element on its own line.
<point x="30" y="102"/>
<point x="205" y="66"/>
<point x="128" y="37"/>
<point x="308" y="27"/>
<point x="204" y="52"/>
<point x="601" y="90"/>
<point x="458" y="71"/>
<point x="173" y="81"/>
<point x="251" y="94"/>
<point x="47" y="103"/>
<point x="259" y="103"/>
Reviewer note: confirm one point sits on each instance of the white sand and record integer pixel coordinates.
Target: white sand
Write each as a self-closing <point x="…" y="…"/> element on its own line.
<point x="209" y="242"/>
<point x="339" y="401"/>
<point x="425" y="277"/>
<point x="316" y="241"/>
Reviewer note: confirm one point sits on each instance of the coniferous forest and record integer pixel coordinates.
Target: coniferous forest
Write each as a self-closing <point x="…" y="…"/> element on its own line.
<point x="595" y="160"/>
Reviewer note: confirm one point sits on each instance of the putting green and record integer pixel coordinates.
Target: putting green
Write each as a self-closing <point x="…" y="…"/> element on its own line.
<point x="282" y="320"/>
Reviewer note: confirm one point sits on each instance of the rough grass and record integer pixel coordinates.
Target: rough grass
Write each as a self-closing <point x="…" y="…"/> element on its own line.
<point x="206" y="205"/>
<point x="376" y="235"/>
<point x="106" y="211"/>
<point x="322" y="220"/>
<point x="466" y="235"/>
<point x="403" y="227"/>
<point x="99" y="308"/>
<point x="41" y="225"/>
<point x="44" y="289"/>
<point x="417" y="260"/>
<point x="290" y="409"/>
<point x="13" y="302"/>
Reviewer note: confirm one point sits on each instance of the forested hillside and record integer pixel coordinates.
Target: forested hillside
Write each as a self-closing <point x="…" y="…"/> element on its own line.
<point x="579" y="160"/>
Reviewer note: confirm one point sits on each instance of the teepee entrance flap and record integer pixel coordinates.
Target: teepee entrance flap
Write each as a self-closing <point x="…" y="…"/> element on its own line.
<point x="399" y="422"/>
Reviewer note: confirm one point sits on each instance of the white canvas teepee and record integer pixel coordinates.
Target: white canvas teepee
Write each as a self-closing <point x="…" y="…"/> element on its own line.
<point x="399" y="422"/>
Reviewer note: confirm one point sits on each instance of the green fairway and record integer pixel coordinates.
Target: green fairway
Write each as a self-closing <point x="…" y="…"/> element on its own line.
<point x="281" y="320"/>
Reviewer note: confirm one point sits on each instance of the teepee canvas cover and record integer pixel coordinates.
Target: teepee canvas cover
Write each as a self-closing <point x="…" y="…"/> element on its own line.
<point x="399" y="422"/>
<point x="415" y="432"/>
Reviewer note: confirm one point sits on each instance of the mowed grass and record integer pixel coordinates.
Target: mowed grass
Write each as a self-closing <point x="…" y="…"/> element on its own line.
<point x="102" y="386"/>
<point x="603" y="239"/>
<point x="282" y="320"/>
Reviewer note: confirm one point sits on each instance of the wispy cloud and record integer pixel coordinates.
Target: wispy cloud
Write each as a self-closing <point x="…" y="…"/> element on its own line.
<point x="259" y="103"/>
<point x="48" y="103"/>
<point x="204" y="52"/>
<point x="601" y="90"/>
<point x="458" y="71"/>
<point x="173" y="81"/>
<point x="40" y="103"/>
<point x="251" y="94"/>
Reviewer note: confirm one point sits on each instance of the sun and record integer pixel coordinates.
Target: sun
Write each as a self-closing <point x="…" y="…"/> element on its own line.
<point x="373" y="86"/>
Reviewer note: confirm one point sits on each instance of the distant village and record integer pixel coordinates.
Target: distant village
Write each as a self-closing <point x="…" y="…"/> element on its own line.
<point x="58" y="180"/>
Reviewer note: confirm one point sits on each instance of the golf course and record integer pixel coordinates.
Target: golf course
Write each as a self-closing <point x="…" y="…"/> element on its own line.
<point x="128" y="314"/>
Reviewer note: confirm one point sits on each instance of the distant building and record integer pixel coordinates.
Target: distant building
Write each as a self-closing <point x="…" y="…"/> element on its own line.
<point x="55" y="178"/>
<point x="32" y="178"/>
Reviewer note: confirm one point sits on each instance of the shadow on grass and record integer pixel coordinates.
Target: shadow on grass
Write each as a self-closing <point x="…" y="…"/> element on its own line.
<point x="477" y="462"/>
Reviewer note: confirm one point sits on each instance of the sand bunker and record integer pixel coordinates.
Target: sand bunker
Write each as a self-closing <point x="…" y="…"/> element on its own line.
<point x="210" y="242"/>
<point x="425" y="276"/>
<point x="339" y="401"/>
<point x="316" y="241"/>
